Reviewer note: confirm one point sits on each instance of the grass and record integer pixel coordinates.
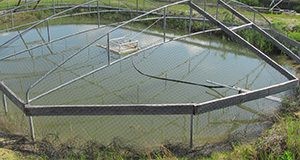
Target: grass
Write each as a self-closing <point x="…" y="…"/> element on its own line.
<point x="8" y="154"/>
<point x="288" y="24"/>
<point x="145" y="4"/>
<point x="281" y="142"/>
<point x="285" y="23"/>
<point x="294" y="35"/>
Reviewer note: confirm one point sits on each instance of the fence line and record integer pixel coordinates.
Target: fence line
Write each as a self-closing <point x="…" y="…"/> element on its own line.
<point x="155" y="109"/>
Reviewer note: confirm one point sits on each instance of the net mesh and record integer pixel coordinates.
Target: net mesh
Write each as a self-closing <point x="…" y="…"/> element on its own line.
<point x="74" y="70"/>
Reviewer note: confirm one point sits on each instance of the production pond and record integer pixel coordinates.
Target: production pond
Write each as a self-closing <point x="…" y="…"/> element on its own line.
<point x="195" y="59"/>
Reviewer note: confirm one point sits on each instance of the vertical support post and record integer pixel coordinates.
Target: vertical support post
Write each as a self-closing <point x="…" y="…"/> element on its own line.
<point x="26" y="4"/>
<point x="254" y="16"/>
<point x="66" y="44"/>
<point x="24" y="42"/>
<point x="232" y="15"/>
<point x="5" y="103"/>
<point x="191" y="131"/>
<point x="53" y="5"/>
<point x="189" y="66"/>
<point x="217" y="11"/>
<point x="47" y="45"/>
<point x="190" y="18"/>
<point x="32" y="133"/>
<point x="137" y="6"/>
<point x="166" y="76"/>
<point x="165" y="24"/>
<point x="48" y="31"/>
<point x="204" y="3"/>
<point x="12" y="18"/>
<point x="144" y="5"/>
<point x="137" y="93"/>
<point x="87" y="38"/>
<point x="98" y="14"/>
<point x="108" y="50"/>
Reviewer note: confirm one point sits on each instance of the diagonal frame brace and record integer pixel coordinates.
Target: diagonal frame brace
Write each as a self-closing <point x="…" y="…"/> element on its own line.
<point x="245" y="43"/>
<point x="163" y="109"/>
<point x="261" y="31"/>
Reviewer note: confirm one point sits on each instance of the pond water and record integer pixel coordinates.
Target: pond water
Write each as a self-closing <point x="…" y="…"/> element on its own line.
<point x="195" y="59"/>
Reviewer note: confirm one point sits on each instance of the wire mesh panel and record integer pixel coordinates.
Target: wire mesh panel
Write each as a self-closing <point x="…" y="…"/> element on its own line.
<point x="146" y="131"/>
<point x="242" y="121"/>
<point x="79" y="66"/>
<point x="122" y="82"/>
<point x="12" y="119"/>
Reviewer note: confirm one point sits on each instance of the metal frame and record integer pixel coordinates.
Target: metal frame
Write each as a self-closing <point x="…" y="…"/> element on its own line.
<point x="153" y="109"/>
<point x="270" y="29"/>
<point x="45" y="20"/>
<point x="261" y="31"/>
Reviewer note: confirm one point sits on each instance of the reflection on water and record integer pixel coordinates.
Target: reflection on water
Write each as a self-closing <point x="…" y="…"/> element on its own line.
<point x="201" y="60"/>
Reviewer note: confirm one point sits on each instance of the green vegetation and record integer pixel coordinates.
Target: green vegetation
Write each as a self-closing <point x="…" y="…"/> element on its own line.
<point x="251" y="2"/>
<point x="282" y="22"/>
<point x="291" y="4"/>
<point x="259" y="41"/>
<point x="288" y="24"/>
<point x="281" y="142"/>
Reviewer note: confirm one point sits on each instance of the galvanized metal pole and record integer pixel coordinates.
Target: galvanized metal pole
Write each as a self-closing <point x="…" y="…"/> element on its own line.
<point x="138" y="94"/>
<point x="165" y="24"/>
<point x="166" y="76"/>
<point x="191" y="131"/>
<point x="108" y="50"/>
<point x="48" y="31"/>
<point x="12" y="18"/>
<point x="25" y="44"/>
<point x="217" y="11"/>
<point x="53" y="7"/>
<point x="254" y="16"/>
<point x="32" y="133"/>
<point x="5" y="103"/>
<point x="232" y="15"/>
<point x="137" y="6"/>
<point x="190" y="20"/>
<point x="98" y="14"/>
<point x="203" y="21"/>
<point x="189" y="66"/>
<point x="26" y="4"/>
<point x="47" y="45"/>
